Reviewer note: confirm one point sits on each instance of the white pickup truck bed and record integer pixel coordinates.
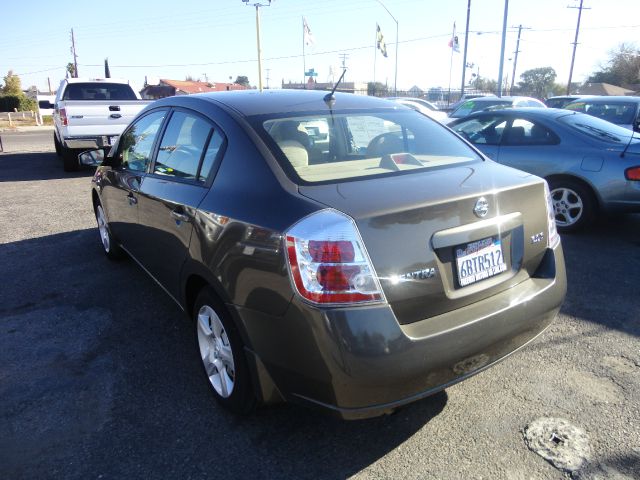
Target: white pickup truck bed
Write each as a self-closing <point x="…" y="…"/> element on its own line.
<point x="92" y="114"/>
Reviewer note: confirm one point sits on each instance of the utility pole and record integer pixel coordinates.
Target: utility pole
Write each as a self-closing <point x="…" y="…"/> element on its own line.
<point x="515" y="60"/>
<point x="464" y="55"/>
<point x="75" y="57"/>
<point x="575" y="44"/>
<point x="257" y="6"/>
<point x="344" y="57"/>
<point x="504" y="35"/>
<point x="268" y="72"/>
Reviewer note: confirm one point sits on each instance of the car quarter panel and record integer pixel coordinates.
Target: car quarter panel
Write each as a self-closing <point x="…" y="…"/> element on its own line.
<point x="239" y="224"/>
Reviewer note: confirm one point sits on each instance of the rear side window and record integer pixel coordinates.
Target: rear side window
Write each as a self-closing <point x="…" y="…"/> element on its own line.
<point x="329" y="148"/>
<point x="99" y="91"/>
<point x="526" y="132"/>
<point x="182" y="146"/>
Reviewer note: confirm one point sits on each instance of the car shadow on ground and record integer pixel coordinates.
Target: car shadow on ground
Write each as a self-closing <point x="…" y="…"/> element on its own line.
<point x="602" y="264"/>
<point x="22" y="167"/>
<point x="101" y="377"/>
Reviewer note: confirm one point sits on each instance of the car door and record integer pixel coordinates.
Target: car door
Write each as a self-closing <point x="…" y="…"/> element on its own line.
<point x="121" y="183"/>
<point x="170" y="194"/>
<point x="527" y="144"/>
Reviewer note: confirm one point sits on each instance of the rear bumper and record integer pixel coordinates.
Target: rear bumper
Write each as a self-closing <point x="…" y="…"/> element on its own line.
<point x="88" y="143"/>
<point x="360" y="362"/>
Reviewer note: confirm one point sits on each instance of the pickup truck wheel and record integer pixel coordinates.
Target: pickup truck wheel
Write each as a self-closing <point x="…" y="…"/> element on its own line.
<point x="70" y="159"/>
<point x="111" y="249"/>
<point x="57" y="145"/>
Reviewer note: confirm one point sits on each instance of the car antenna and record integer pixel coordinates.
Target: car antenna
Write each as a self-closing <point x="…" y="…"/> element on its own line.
<point x="329" y="99"/>
<point x="628" y="144"/>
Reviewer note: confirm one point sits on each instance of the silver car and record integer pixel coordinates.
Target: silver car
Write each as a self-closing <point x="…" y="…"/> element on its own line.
<point x="591" y="165"/>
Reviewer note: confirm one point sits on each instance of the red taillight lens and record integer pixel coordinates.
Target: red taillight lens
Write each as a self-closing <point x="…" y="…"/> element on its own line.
<point x="328" y="261"/>
<point x="331" y="252"/>
<point x="63" y="117"/>
<point x="632" y="174"/>
<point x="334" y="278"/>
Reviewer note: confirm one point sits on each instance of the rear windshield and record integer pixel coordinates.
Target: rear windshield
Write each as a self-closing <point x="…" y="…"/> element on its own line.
<point x="472" y="106"/>
<point x="99" y="91"/>
<point x="621" y="113"/>
<point x="353" y="145"/>
<point x="597" y="128"/>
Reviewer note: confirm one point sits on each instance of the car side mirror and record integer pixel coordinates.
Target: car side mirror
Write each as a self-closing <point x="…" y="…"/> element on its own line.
<point x="94" y="157"/>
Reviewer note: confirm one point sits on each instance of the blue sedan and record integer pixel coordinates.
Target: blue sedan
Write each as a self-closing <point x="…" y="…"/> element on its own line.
<point x="591" y="165"/>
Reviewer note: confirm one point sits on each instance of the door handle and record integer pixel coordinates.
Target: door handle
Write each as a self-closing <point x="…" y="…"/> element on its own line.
<point x="180" y="216"/>
<point x="132" y="199"/>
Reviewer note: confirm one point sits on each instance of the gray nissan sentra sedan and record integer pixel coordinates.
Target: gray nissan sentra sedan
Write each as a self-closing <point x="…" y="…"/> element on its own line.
<point x="340" y="251"/>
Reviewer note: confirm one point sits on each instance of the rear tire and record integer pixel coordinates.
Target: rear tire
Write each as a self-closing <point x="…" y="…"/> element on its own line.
<point x="70" y="160"/>
<point x="222" y="354"/>
<point x="574" y="205"/>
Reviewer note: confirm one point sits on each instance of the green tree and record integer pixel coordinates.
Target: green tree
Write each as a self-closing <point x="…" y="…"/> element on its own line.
<point x="377" y="89"/>
<point x="12" y="85"/>
<point x="242" y="80"/>
<point x="71" y="70"/>
<point x="622" y="67"/>
<point x="482" y="84"/>
<point x="538" y="82"/>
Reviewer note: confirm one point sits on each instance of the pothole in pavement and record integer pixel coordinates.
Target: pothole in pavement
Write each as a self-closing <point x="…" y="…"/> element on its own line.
<point x="559" y="442"/>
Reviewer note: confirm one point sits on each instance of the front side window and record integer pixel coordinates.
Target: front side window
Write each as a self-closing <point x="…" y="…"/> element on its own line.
<point x="136" y="143"/>
<point x="182" y="146"/>
<point x="327" y="148"/>
<point x="485" y="130"/>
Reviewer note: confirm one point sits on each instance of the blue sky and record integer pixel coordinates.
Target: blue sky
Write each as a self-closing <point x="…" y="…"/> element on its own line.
<point x="216" y="39"/>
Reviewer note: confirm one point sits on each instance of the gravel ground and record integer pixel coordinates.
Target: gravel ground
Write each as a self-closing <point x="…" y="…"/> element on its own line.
<point x="99" y="376"/>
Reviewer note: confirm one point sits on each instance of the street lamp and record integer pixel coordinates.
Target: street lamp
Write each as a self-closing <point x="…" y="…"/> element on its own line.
<point x="395" y="80"/>
<point x="258" y="5"/>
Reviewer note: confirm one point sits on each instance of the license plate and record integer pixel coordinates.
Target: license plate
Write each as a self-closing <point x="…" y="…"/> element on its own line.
<point x="479" y="260"/>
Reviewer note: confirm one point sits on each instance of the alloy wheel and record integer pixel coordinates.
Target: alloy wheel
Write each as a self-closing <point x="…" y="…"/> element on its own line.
<point x="568" y="206"/>
<point x="215" y="352"/>
<point x="102" y="227"/>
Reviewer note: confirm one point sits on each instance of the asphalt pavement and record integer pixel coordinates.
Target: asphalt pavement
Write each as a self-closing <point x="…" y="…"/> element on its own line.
<point x="99" y="375"/>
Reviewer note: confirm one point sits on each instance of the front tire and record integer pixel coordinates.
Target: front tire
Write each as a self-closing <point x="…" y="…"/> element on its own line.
<point x="574" y="205"/>
<point x="222" y="354"/>
<point x="111" y="249"/>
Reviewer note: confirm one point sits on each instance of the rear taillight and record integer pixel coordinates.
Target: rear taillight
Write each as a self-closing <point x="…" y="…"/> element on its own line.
<point x="552" y="233"/>
<point x="63" y="117"/>
<point x="328" y="261"/>
<point x="632" y="174"/>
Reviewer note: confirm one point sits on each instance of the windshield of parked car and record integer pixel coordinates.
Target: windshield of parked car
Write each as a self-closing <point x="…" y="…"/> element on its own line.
<point x="352" y="145"/>
<point x="99" y="91"/>
<point x="472" y="106"/>
<point x="597" y="128"/>
<point x="620" y="113"/>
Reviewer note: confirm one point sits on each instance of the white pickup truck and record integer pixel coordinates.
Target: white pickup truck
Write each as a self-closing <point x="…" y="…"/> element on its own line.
<point x="91" y="114"/>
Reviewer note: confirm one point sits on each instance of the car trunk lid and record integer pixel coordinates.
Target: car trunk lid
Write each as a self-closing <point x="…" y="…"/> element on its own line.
<point x="420" y="230"/>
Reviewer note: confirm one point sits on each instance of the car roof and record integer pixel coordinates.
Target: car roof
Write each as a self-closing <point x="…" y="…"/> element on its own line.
<point x="254" y="102"/>
<point x="506" y="98"/>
